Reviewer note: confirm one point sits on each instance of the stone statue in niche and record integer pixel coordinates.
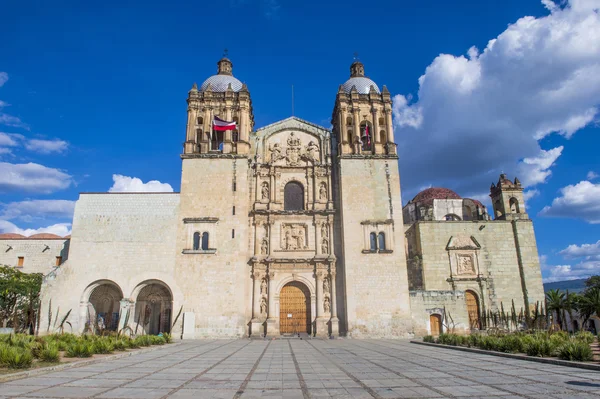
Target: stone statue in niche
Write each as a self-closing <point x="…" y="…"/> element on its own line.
<point x="324" y="230"/>
<point x="264" y="247"/>
<point x="263" y="306"/>
<point x="263" y="286"/>
<point x="276" y="154"/>
<point x="293" y="150"/>
<point x="312" y="151"/>
<point x="326" y="305"/>
<point x="323" y="192"/>
<point x="325" y="246"/>
<point x="294" y="237"/>
<point x="465" y="265"/>
<point x="326" y="286"/>
<point x="265" y="191"/>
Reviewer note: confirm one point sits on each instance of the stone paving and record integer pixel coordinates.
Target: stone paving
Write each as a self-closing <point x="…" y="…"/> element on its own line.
<point x="296" y="368"/>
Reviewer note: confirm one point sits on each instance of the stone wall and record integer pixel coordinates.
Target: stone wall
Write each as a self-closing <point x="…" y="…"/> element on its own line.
<point x="39" y="255"/>
<point x="450" y="305"/>
<point x="376" y="284"/>
<point x="126" y="240"/>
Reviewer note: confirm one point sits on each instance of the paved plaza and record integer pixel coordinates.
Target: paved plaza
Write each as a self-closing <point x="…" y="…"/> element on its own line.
<point x="308" y="369"/>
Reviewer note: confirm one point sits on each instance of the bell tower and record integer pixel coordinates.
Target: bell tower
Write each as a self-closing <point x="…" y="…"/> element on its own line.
<point x="362" y="116"/>
<point x="225" y="97"/>
<point x="370" y="245"/>
<point x="507" y="199"/>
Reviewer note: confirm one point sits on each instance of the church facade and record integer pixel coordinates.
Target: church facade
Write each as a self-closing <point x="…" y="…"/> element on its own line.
<point x="291" y="228"/>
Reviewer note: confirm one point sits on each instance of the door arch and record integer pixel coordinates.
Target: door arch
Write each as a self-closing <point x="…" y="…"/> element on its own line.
<point x="473" y="310"/>
<point x="435" y="322"/>
<point x="294" y="309"/>
<point x="153" y="308"/>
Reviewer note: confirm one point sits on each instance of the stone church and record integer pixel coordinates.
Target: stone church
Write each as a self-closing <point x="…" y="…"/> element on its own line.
<point x="291" y="228"/>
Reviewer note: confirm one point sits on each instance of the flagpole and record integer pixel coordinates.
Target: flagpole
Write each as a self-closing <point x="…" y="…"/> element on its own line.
<point x="292" y="100"/>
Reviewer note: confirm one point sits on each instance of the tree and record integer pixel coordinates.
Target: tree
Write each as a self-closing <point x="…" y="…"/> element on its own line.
<point x="589" y="303"/>
<point x="592" y="282"/>
<point x="555" y="303"/>
<point x="19" y="298"/>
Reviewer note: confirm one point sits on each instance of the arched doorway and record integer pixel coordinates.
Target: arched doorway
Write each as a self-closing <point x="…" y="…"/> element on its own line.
<point x="294" y="309"/>
<point x="153" y="309"/>
<point x="103" y="307"/>
<point x="473" y="310"/>
<point x="435" y="322"/>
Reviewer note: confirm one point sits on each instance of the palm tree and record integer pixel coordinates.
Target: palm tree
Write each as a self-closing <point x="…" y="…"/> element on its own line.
<point x="569" y="305"/>
<point x="589" y="303"/>
<point x="555" y="303"/>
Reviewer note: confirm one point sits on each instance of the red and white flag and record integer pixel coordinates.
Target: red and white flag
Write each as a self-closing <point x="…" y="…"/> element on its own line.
<point x="220" y="125"/>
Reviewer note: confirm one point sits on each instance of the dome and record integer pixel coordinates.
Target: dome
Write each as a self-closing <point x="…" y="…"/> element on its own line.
<point x="362" y="84"/>
<point x="7" y="236"/>
<point x="44" y="236"/>
<point x="427" y="196"/>
<point x="219" y="83"/>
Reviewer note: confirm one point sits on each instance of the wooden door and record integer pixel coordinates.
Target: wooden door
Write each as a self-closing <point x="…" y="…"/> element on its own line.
<point x="473" y="310"/>
<point x="436" y="324"/>
<point x="294" y="309"/>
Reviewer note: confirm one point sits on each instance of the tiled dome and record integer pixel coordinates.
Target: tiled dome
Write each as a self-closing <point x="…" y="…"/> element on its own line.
<point x="427" y="196"/>
<point x="219" y="83"/>
<point x="362" y="84"/>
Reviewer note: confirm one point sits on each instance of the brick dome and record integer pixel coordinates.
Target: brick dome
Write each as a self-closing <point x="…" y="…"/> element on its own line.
<point x="44" y="235"/>
<point x="7" y="236"/>
<point x="427" y="196"/>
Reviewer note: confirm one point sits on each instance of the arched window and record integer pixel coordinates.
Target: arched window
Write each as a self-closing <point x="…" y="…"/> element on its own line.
<point x="293" y="197"/>
<point x="514" y="205"/>
<point x="366" y="136"/>
<point x="350" y="136"/>
<point x="381" y="241"/>
<point x="498" y="209"/>
<point x="196" y="241"/>
<point x="205" y="241"/>
<point x="382" y="136"/>
<point x="200" y="120"/>
<point x="373" y="240"/>
<point x="349" y="120"/>
<point x="451" y="217"/>
<point x="198" y="135"/>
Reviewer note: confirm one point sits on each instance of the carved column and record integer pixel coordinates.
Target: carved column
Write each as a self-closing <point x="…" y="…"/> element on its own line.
<point x="320" y="321"/>
<point x="256" y="326"/>
<point x="335" y="322"/>
<point x="329" y="189"/>
<point x="356" y="131"/>
<point x="272" y="318"/>
<point x="390" y="132"/>
<point x="227" y="145"/>
<point x="318" y="237"/>
<point x="190" y="140"/>
<point x="376" y="128"/>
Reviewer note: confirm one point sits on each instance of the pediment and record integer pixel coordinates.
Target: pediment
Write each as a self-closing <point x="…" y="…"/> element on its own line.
<point x="462" y="242"/>
<point x="293" y="124"/>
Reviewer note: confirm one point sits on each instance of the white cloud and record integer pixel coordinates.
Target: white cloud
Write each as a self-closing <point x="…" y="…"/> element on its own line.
<point x="32" y="177"/>
<point x="581" y="200"/>
<point x="10" y="139"/>
<point x="587" y="251"/>
<point x="60" y="229"/>
<point x="3" y="104"/>
<point x="123" y="184"/>
<point x="13" y="121"/>
<point x="529" y="194"/>
<point x="536" y="169"/>
<point x="3" y="78"/>
<point x="38" y="209"/>
<point x="47" y="146"/>
<point x="479" y="114"/>
<point x="592" y="175"/>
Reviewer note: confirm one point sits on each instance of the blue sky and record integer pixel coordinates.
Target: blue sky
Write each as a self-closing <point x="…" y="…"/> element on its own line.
<point x="92" y="90"/>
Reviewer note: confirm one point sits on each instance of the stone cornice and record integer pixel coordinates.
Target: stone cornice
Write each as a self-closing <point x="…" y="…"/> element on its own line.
<point x="307" y="212"/>
<point x="367" y="156"/>
<point x="293" y="123"/>
<point x="201" y="220"/>
<point x="214" y="156"/>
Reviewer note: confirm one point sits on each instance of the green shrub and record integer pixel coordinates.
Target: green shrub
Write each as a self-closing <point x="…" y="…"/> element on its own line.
<point x="169" y="337"/>
<point x="510" y="344"/>
<point x="490" y="343"/>
<point x="80" y="349"/>
<point x="103" y="346"/>
<point x="15" y="357"/>
<point x="540" y="347"/>
<point x="143" y="340"/>
<point x="449" y="339"/>
<point x="50" y="354"/>
<point x="428" y="338"/>
<point x="120" y="344"/>
<point x="575" y="350"/>
<point x="585" y="336"/>
<point x="157" y="340"/>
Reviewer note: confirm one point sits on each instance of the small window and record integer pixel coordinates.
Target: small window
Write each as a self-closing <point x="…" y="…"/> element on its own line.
<point x="200" y="121"/>
<point x="204" y="241"/>
<point x="234" y="186"/>
<point x="198" y="135"/>
<point x="381" y="121"/>
<point x="373" y="241"/>
<point x="20" y="261"/>
<point x="293" y="197"/>
<point x="381" y="241"/>
<point x="232" y="233"/>
<point x="234" y="136"/>
<point x="196" y="241"/>
<point x="233" y="211"/>
<point x="350" y="136"/>
<point x="349" y="120"/>
<point x="58" y="260"/>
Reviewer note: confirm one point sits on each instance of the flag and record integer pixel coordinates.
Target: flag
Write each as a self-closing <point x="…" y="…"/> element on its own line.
<point x="367" y="135"/>
<point x="220" y="125"/>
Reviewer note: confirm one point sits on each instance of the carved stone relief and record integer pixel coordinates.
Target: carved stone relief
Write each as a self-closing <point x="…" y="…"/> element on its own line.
<point x="326" y="286"/>
<point x="263" y="306"/>
<point x="465" y="265"/>
<point x="292" y="152"/>
<point x="325" y="246"/>
<point x="293" y="237"/>
<point x="323" y="191"/>
<point x="263" y="286"/>
<point x="326" y="305"/>
<point x="265" y="191"/>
